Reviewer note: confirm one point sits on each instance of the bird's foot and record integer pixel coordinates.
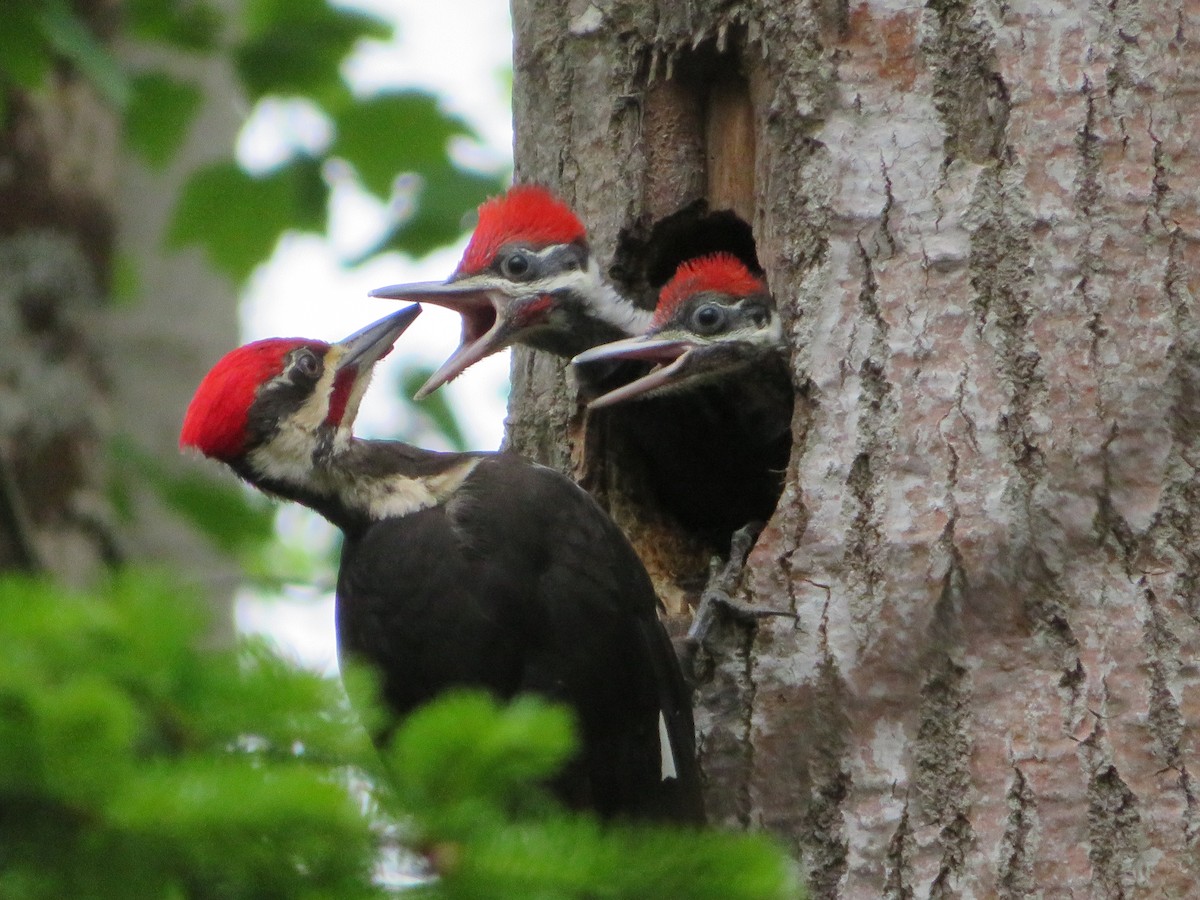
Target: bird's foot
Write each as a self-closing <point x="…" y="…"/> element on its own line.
<point x="718" y="598"/>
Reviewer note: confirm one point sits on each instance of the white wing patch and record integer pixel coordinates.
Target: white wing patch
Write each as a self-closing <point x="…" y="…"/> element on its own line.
<point x="665" y="751"/>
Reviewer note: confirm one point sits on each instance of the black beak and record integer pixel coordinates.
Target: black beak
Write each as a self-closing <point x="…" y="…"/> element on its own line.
<point x="670" y="358"/>
<point x="479" y="300"/>
<point x="367" y="346"/>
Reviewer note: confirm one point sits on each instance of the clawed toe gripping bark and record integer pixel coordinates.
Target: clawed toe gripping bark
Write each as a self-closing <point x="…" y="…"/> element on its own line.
<point x="718" y="598"/>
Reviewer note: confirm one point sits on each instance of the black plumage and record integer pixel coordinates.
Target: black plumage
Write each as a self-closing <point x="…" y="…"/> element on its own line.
<point x="465" y="569"/>
<point x="521" y="583"/>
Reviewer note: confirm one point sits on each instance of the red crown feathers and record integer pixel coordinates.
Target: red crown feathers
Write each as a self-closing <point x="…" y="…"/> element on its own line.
<point x="215" y="423"/>
<point x="721" y="273"/>
<point x="527" y="213"/>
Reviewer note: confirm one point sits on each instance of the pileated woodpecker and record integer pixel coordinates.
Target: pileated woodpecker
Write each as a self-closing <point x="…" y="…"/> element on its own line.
<point x="713" y="318"/>
<point x="527" y="277"/>
<point x="718" y="401"/>
<point x="465" y="569"/>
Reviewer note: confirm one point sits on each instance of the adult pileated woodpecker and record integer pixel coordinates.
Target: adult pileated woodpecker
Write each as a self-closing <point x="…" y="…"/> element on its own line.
<point x="465" y="569"/>
<point x="718" y="401"/>
<point x="527" y="277"/>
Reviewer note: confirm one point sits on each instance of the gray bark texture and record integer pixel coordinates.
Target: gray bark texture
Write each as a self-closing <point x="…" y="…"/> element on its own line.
<point x="980" y="221"/>
<point x="58" y="155"/>
<point x="80" y="373"/>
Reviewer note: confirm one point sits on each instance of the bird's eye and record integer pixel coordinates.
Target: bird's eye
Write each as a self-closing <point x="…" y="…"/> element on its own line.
<point x="516" y="265"/>
<point x="708" y="318"/>
<point x="308" y="364"/>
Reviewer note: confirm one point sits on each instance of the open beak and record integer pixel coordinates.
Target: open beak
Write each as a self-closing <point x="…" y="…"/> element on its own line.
<point x="367" y="346"/>
<point x="670" y="356"/>
<point x="479" y="305"/>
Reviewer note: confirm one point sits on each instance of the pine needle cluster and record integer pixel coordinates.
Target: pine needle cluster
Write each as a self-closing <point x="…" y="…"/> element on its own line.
<point x="138" y="762"/>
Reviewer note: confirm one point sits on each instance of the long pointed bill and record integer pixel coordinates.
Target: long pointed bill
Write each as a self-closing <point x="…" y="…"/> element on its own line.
<point x="671" y="357"/>
<point x="353" y="361"/>
<point x="455" y="295"/>
<point x="482" y="320"/>
<point x="367" y="346"/>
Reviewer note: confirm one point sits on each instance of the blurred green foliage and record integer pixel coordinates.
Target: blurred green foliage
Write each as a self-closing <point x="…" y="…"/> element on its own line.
<point x="434" y="409"/>
<point x="465" y="770"/>
<point x="133" y="764"/>
<point x="279" y="49"/>
<point x="136" y="762"/>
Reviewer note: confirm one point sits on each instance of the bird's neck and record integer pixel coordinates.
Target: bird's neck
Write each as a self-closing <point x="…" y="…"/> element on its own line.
<point x="616" y="311"/>
<point x="594" y="313"/>
<point x="364" y="481"/>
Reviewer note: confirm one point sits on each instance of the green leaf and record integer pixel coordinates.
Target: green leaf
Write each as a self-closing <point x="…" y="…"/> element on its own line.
<point x="189" y="25"/>
<point x="238" y="217"/>
<point x="126" y="279"/>
<point x="297" y="47"/>
<point x="24" y="60"/>
<point x="446" y="199"/>
<point x="436" y="407"/>
<point x="578" y="858"/>
<point x="158" y="116"/>
<point x="464" y="760"/>
<point x="66" y="33"/>
<point x="225" y="512"/>
<point x="134" y="762"/>
<point x="138" y="761"/>
<point x="237" y="521"/>
<point x="390" y="134"/>
<point x="462" y="767"/>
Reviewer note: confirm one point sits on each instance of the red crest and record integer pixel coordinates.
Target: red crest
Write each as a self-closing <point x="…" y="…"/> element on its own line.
<point x="720" y="273"/>
<point x="527" y="213"/>
<point x="215" y="423"/>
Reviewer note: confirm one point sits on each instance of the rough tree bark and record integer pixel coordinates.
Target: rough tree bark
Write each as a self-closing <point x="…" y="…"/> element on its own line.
<point x="78" y="370"/>
<point x="981" y="221"/>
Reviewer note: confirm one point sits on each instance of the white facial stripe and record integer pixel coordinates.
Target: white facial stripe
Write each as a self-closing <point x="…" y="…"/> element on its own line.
<point x="770" y="334"/>
<point x="604" y="302"/>
<point x="666" y="752"/>
<point x="614" y="309"/>
<point x="287" y="457"/>
<point x="312" y="413"/>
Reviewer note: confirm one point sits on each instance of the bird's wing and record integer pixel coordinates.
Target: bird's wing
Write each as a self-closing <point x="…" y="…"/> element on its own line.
<point x="594" y="619"/>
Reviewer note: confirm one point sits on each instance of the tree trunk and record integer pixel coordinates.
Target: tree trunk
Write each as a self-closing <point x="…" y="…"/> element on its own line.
<point x="58" y="158"/>
<point x="980" y="222"/>
<point x="79" y="370"/>
<point x="183" y="318"/>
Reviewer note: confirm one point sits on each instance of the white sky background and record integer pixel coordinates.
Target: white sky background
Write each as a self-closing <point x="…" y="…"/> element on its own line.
<point x="461" y="51"/>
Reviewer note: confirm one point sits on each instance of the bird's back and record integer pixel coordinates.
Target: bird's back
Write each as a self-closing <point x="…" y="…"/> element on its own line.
<point x="519" y="582"/>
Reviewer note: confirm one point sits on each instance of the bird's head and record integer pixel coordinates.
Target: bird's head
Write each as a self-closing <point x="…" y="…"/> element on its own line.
<point x="713" y="316"/>
<point x="526" y="277"/>
<point x="279" y="409"/>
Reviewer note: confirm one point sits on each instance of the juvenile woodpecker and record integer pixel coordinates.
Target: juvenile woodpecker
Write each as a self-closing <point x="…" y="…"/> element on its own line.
<point x="527" y="276"/>
<point x="464" y="569"/>
<point x="713" y="319"/>
<point x="713" y="424"/>
<point x="720" y="381"/>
